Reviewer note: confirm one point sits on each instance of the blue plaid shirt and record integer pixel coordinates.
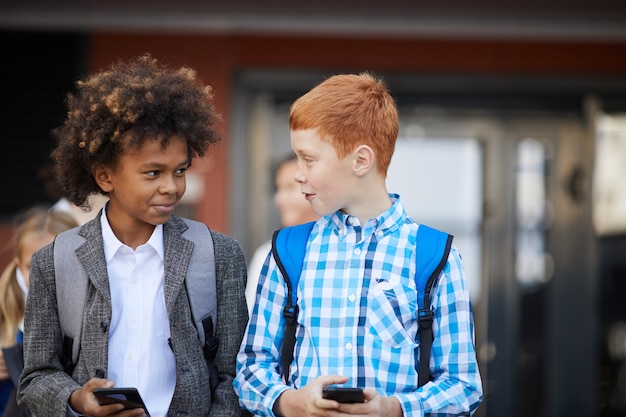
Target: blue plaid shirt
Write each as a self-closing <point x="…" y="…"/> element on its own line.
<point x="358" y="318"/>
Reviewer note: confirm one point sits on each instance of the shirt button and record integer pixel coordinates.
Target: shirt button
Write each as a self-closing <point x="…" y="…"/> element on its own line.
<point x="352" y="298"/>
<point x="134" y="280"/>
<point x="131" y="357"/>
<point x="379" y="233"/>
<point x="357" y="251"/>
<point x="348" y="346"/>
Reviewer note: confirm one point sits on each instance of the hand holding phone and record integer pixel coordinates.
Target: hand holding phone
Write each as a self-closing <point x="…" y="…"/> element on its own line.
<point x="129" y="397"/>
<point x="346" y="395"/>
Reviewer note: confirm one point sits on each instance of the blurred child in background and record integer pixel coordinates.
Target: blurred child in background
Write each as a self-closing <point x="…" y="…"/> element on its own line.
<point x="34" y="229"/>
<point x="293" y="209"/>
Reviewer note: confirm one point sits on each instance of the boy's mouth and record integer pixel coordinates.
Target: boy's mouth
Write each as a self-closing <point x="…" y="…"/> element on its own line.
<point x="165" y="208"/>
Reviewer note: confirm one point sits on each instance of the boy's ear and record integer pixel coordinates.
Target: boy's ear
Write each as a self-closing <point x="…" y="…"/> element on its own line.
<point x="102" y="178"/>
<point x="364" y="159"/>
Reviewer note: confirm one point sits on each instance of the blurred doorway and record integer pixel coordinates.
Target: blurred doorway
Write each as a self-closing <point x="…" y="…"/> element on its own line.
<point x="512" y="186"/>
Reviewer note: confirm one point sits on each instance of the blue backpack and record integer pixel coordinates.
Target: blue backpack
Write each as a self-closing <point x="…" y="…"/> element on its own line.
<point x="433" y="248"/>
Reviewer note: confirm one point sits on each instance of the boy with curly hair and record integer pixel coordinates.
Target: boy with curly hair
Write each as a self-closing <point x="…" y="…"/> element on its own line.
<point x="131" y="133"/>
<point x="356" y="316"/>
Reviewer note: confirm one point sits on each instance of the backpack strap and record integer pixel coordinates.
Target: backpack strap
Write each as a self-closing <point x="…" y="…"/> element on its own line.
<point x="433" y="248"/>
<point x="201" y="290"/>
<point x="288" y="249"/>
<point x="71" y="286"/>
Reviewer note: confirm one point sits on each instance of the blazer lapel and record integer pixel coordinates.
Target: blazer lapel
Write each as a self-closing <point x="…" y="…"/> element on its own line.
<point x="177" y="254"/>
<point x="91" y="256"/>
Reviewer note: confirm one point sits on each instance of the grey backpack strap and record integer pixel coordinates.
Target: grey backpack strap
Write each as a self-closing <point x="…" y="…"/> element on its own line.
<point x="71" y="285"/>
<point x="202" y="293"/>
<point x="200" y="280"/>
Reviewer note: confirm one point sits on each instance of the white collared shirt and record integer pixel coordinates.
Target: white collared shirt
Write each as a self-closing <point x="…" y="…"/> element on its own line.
<point x="139" y="352"/>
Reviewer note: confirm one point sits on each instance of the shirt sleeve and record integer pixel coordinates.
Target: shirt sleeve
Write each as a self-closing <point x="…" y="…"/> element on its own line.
<point x="455" y="388"/>
<point x="71" y="412"/>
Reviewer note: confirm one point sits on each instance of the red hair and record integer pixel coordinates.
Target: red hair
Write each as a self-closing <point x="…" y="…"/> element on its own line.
<point x="349" y="110"/>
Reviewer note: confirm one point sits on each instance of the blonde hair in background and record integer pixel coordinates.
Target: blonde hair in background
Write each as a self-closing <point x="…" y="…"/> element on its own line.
<point x="38" y="220"/>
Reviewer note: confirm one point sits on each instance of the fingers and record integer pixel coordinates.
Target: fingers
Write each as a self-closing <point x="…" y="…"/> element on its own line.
<point x="84" y="401"/>
<point x="370" y="393"/>
<point x="330" y="380"/>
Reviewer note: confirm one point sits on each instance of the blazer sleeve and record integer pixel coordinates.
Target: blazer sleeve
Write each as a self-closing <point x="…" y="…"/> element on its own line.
<point x="232" y="318"/>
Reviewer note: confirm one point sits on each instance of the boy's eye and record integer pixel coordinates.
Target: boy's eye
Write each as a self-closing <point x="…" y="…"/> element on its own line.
<point x="152" y="173"/>
<point x="181" y="171"/>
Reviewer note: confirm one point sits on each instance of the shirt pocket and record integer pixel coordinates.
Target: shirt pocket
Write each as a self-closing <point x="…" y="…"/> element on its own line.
<point x="392" y="314"/>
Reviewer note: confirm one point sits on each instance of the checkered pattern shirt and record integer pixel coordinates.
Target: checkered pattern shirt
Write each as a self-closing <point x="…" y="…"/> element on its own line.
<point x="357" y="317"/>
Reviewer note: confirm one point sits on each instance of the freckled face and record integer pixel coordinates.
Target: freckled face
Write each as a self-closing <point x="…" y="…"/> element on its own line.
<point x="145" y="185"/>
<point x="325" y="180"/>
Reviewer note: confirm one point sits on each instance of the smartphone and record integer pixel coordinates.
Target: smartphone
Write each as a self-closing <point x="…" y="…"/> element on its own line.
<point x="345" y="395"/>
<point x="128" y="396"/>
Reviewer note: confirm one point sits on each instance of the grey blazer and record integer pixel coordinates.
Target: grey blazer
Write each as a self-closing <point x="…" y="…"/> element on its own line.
<point x="45" y="388"/>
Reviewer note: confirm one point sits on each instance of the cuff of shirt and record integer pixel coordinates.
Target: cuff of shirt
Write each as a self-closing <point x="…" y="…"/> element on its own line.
<point x="74" y="413"/>
<point x="271" y="397"/>
<point x="409" y="406"/>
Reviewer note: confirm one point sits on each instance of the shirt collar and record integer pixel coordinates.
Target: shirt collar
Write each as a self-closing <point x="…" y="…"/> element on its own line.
<point x="387" y="222"/>
<point x="112" y="244"/>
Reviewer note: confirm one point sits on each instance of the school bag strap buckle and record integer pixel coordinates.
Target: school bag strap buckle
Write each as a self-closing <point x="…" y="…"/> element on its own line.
<point x="211" y="342"/>
<point x="290" y="313"/>
<point x="425" y="318"/>
<point x="210" y="348"/>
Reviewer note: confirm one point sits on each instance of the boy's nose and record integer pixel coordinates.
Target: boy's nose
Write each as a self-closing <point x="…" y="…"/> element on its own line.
<point x="298" y="177"/>
<point x="169" y="185"/>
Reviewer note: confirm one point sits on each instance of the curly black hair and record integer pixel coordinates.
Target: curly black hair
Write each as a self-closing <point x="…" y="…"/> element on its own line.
<point x="115" y="110"/>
